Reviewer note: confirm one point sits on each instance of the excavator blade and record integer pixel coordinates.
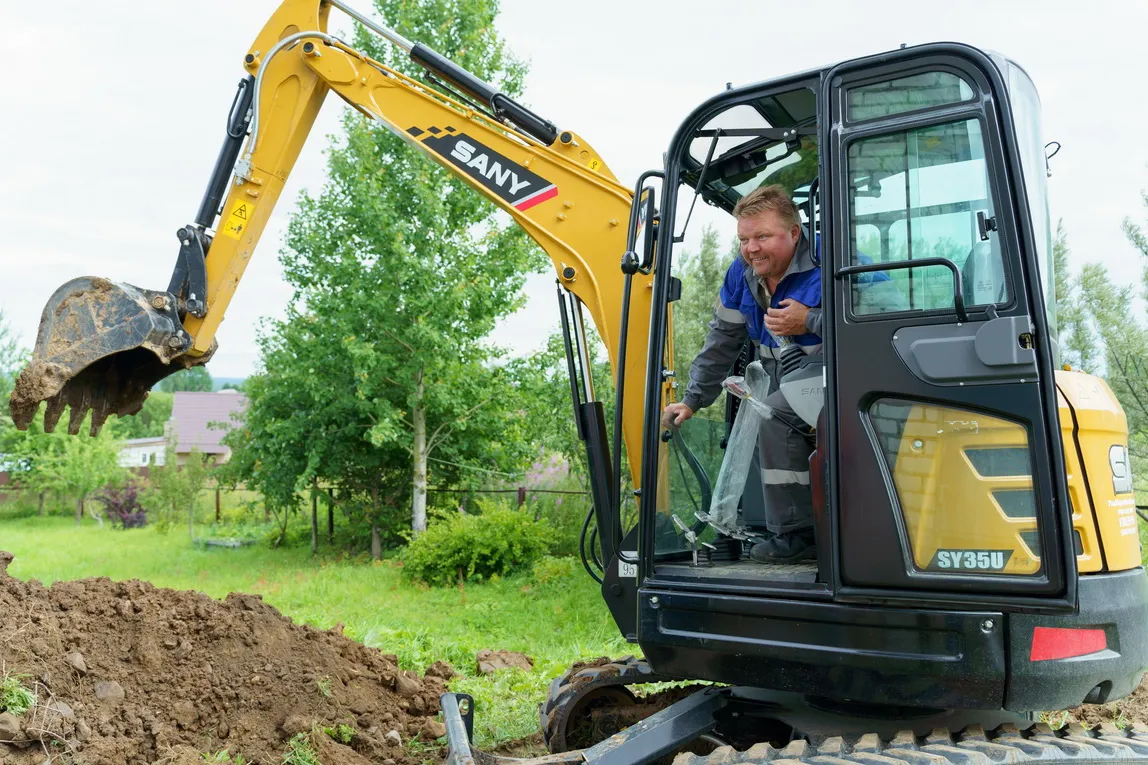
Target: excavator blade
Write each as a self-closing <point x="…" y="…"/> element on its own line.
<point x="101" y="346"/>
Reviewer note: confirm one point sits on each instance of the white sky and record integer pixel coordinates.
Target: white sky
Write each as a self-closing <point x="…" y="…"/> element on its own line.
<point x="114" y="112"/>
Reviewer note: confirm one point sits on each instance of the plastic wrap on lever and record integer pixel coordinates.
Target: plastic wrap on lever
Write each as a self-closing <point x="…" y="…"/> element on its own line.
<point x="752" y="389"/>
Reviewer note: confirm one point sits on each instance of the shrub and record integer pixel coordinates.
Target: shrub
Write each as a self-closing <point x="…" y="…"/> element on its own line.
<point x="15" y="503"/>
<point x="565" y="511"/>
<point x="476" y="547"/>
<point x="549" y="570"/>
<point x="123" y="506"/>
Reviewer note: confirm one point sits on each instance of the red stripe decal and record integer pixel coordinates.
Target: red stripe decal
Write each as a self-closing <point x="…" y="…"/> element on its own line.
<point x="538" y="198"/>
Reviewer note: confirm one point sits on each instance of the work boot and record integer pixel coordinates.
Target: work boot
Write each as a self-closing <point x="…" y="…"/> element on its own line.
<point x="789" y="547"/>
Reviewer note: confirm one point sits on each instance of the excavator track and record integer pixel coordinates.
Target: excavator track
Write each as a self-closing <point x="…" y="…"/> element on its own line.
<point x="591" y="701"/>
<point x="971" y="746"/>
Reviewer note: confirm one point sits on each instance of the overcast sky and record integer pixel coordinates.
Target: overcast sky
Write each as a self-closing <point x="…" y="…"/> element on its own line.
<point x="114" y="112"/>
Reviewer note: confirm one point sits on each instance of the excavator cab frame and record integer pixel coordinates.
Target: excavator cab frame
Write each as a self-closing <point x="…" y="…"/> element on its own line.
<point x="899" y="423"/>
<point x="1017" y="386"/>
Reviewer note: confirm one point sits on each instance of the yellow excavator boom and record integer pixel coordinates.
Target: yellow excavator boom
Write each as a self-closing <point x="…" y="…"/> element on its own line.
<point x="561" y="192"/>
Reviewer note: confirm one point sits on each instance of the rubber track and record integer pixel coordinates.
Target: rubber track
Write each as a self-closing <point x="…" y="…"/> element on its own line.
<point x="567" y="690"/>
<point x="972" y="746"/>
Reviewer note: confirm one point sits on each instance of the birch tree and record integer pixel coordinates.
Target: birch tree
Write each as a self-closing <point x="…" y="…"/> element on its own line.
<point x="400" y="273"/>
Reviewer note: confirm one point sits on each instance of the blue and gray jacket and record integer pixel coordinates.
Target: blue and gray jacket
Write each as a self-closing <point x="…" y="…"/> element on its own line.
<point x="739" y="314"/>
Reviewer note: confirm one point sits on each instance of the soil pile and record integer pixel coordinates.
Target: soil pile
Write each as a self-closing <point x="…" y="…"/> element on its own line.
<point x="125" y="672"/>
<point x="1129" y="710"/>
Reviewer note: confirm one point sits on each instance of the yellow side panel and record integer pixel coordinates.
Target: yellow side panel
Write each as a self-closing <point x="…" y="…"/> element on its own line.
<point x="964" y="483"/>
<point x="955" y="514"/>
<point x="1089" y="560"/>
<point x="1100" y="426"/>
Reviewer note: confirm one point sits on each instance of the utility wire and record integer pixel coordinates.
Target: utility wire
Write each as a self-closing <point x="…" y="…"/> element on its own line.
<point x="472" y="467"/>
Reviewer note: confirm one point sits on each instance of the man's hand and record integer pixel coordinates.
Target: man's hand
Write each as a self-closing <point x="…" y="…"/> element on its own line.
<point x="787" y="321"/>
<point x="676" y="414"/>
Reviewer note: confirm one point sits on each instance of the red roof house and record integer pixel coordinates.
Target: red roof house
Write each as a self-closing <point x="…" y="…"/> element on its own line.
<point x="201" y="420"/>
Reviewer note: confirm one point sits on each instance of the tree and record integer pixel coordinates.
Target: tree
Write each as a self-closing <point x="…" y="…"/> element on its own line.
<point x="701" y="274"/>
<point x="1075" y="337"/>
<point x="400" y="273"/>
<point x="304" y="421"/>
<point x="1123" y="338"/>
<point x="148" y="422"/>
<point x="11" y="357"/>
<point x="544" y="389"/>
<point x="191" y="379"/>
<point x="76" y="465"/>
<point x="173" y="489"/>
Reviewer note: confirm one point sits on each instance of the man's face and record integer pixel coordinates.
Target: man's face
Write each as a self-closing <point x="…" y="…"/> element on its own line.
<point x="767" y="244"/>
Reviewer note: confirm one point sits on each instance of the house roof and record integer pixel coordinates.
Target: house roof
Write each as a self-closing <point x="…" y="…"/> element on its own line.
<point x="132" y="442"/>
<point x="193" y="412"/>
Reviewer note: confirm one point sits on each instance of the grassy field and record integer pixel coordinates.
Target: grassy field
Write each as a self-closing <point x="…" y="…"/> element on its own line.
<point x="556" y="623"/>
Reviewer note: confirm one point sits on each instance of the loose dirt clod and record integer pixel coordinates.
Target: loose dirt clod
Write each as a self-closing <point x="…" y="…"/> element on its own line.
<point x="37" y="381"/>
<point x="125" y="672"/>
<point x="488" y="662"/>
<point x="1133" y="708"/>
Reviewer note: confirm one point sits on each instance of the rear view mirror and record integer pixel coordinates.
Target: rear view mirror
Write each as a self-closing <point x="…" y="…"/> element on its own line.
<point x="646" y="231"/>
<point x="642" y="234"/>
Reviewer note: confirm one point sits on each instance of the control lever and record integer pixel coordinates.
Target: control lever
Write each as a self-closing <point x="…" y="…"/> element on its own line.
<point x="692" y="540"/>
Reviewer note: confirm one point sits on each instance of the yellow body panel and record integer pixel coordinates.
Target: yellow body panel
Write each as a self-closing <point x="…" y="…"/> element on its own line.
<point x="950" y="507"/>
<point x="954" y="470"/>
<point x="582" y="227"/>
<point x="1089" y="404"/>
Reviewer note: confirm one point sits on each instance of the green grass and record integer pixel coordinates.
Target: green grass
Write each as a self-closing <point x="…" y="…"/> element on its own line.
<point x="556" y="623"/>
<point x="15" y="699"/>
<point x="300" y="752"/>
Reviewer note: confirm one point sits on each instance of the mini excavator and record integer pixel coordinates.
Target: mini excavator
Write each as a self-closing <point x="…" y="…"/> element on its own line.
<point x="978" y="557"/>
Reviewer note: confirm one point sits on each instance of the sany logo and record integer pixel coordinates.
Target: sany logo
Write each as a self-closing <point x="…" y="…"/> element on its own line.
<point x="508" y="180"/>
<point x="465" y="152"/>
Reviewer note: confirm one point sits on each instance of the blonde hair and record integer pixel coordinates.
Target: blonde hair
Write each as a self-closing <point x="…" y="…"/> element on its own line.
<point x="765" y="198"/>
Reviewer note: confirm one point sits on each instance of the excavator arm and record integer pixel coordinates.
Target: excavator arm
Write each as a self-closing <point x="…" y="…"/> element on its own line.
<point x="102" y="345"/>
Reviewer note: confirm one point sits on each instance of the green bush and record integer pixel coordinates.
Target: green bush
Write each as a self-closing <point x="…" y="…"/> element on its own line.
<point x="549" y="570"/>
<point x="565" y="514"/>
<point x="476" y="547"/>
<point x="19" y="504"/>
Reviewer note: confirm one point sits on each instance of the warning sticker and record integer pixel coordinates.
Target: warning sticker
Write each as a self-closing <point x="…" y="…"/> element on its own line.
<point x="595" y="164"/>
<point x="236" y="221"/>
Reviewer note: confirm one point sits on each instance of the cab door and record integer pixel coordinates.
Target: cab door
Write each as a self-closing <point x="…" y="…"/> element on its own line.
<point x="946" y="478"/>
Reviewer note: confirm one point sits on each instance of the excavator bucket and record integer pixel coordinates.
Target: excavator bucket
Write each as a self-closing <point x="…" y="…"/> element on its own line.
<point x="101" y="346"/>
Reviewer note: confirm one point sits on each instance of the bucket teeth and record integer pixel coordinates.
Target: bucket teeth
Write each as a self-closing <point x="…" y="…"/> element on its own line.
<point x="100" y="348"/>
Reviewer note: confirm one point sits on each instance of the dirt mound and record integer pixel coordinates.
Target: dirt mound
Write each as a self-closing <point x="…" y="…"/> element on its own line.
<point x="125" y="672"/>
<point x="1128" y="710"/>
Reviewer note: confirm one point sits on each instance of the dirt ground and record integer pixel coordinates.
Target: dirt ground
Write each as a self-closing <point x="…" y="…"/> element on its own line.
<point x="126" y="672"/>
<point x="1131" y="709"/>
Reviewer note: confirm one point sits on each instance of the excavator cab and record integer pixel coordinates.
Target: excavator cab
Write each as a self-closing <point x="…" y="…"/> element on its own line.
<point x="959" y="564"/>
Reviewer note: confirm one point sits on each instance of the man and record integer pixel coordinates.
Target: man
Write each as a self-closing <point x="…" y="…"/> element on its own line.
<point x="771" y="294"/>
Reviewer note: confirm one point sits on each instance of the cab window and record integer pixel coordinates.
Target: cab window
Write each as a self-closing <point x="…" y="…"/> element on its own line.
<point x="922" y="193"/>
<point x="906" y="94"/>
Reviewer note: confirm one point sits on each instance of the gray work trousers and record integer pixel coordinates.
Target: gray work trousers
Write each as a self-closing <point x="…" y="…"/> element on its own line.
<point x="784" y="468"/>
